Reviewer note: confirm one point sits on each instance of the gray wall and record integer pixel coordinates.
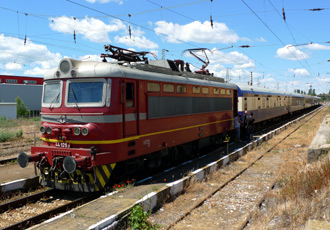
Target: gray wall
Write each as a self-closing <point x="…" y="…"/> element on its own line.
<point x="30" y="94"/>
<point x="8" y="110"/>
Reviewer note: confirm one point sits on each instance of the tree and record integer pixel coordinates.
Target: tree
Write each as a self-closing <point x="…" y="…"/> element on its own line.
<point x="22" y="110"/>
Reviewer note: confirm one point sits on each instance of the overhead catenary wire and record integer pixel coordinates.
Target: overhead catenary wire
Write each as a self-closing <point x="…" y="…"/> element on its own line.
<point x="271" y="31"/>
<point x="172" y="8"/>
<point x="294" y="39"/>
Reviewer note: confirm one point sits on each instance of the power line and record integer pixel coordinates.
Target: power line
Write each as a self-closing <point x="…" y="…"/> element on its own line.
<point x="272" y="31"/>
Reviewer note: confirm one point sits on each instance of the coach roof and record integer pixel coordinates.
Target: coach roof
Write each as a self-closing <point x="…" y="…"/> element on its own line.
<point x="244" y="89"/>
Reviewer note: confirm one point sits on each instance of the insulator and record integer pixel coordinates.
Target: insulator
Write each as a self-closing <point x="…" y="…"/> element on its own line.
<point x="283" y="12"/>
<point x="211" y="20"/>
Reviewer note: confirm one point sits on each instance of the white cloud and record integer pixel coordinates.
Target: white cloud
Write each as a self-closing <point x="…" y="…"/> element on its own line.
<point x="106" y="1"/>
<point x="140" y="42"/>
<point x="235" y="58"/>
<point x="13" y="66"/>
<point x="290" y="52"/>
<point x="299" y="72"/>
<point x="92" y="29"/>
<point x="261" y="39"/>
<point x="37" y="71"/>
<point x="196" y="32"/>
<point x="316" y="46"/>
<point x="15" y="56"/>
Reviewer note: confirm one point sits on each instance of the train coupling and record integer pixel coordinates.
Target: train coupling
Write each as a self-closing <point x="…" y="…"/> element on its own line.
<point x="24" y="159"/>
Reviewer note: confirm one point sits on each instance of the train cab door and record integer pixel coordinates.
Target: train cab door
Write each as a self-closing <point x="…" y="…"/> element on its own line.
<point x="129" y="100"/>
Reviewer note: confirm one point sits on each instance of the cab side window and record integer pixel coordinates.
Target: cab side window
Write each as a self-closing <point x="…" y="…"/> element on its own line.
<point x="129" y="95"/>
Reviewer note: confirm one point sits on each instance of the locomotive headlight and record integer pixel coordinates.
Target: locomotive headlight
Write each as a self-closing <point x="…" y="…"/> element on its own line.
<point x="84" y="131"/>
<point x="65" y="66"/>
<point x="49" y="130"/>
<point x="76" y="131"/>
<point x="43" y="129"/>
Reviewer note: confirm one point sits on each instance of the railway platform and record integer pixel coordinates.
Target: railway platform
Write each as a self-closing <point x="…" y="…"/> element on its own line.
<point x="321" y="142"/>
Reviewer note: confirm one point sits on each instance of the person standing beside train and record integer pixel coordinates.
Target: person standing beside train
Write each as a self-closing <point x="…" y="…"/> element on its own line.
<point x="243" y="125"/>
<point x="237" y="125"/>
<point x="250" y="126"/>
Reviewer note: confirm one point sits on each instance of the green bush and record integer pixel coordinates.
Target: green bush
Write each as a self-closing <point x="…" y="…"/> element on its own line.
<point x="6" y="136"/>
<point x="19" y="133"/>
<point x="138" y="219"/>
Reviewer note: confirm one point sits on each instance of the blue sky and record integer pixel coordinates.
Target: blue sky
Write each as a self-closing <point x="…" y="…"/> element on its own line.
<point x="288" y="55"/>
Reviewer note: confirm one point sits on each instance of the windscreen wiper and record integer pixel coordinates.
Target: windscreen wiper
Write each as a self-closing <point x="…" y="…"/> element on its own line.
<point x="75" y="98"/>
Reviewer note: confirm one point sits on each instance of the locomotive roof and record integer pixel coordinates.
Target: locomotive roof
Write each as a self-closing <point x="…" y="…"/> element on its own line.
<point x="70" y="68"/>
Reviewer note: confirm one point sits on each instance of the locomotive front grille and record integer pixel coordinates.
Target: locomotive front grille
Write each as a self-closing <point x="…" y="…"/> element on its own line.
<point x="60" y="153"/>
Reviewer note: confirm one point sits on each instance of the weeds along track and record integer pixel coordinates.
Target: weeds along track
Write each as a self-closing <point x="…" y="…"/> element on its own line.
<point x="228" y="198"/>
<point x="32" y="209"/>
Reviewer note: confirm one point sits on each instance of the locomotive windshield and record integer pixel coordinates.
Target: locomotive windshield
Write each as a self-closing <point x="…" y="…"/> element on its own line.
<point x="85" y="93"/>
<point x="52" y="94"/>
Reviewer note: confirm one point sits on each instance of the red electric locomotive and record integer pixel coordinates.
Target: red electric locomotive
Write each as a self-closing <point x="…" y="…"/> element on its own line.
<point x="105" y="119"/>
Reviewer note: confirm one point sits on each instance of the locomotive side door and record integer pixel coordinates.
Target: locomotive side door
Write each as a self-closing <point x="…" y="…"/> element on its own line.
<point x="129" y="100"/>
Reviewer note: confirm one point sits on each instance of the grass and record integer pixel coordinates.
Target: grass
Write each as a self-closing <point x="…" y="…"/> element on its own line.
<point x="303" y="183"/>
<point x="6" y="123"/>
<point x="11" y="129"/>
<point x="301" y="194"/>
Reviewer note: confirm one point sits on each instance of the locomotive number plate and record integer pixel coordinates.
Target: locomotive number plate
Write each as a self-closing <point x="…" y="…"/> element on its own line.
<point x="62" y="145"/>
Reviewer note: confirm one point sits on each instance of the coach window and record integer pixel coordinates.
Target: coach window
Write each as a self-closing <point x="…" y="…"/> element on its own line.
<point x="196" y="89"/>
<point x="228" y="92"/>
<point x="205" y="90"/>
<point x="168" y="88"/>
<point x="216" y="91"/>
<point x="129" y="95"/>
<point x="181" y="89"/>
<point x="223" y="92"/>
<point x="153" y="87"/>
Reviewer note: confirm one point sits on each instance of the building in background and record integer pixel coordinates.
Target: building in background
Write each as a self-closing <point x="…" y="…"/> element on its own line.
<point x="29" y="89"/>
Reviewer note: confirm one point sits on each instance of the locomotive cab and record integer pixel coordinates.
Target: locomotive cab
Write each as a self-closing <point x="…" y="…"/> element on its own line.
<point x="75" y="112"/>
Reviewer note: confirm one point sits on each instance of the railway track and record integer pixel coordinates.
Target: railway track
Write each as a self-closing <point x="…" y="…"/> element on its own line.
<point x="8" y="160"/>
<point x="17" y="207"/>
<point x="226" y="193"/>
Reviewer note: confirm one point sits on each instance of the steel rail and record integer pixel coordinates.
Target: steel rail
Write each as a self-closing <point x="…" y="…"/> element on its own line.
<point x="49" y="214"/>
<point x="8" y="160"/>
<point x="24" y="200"/>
